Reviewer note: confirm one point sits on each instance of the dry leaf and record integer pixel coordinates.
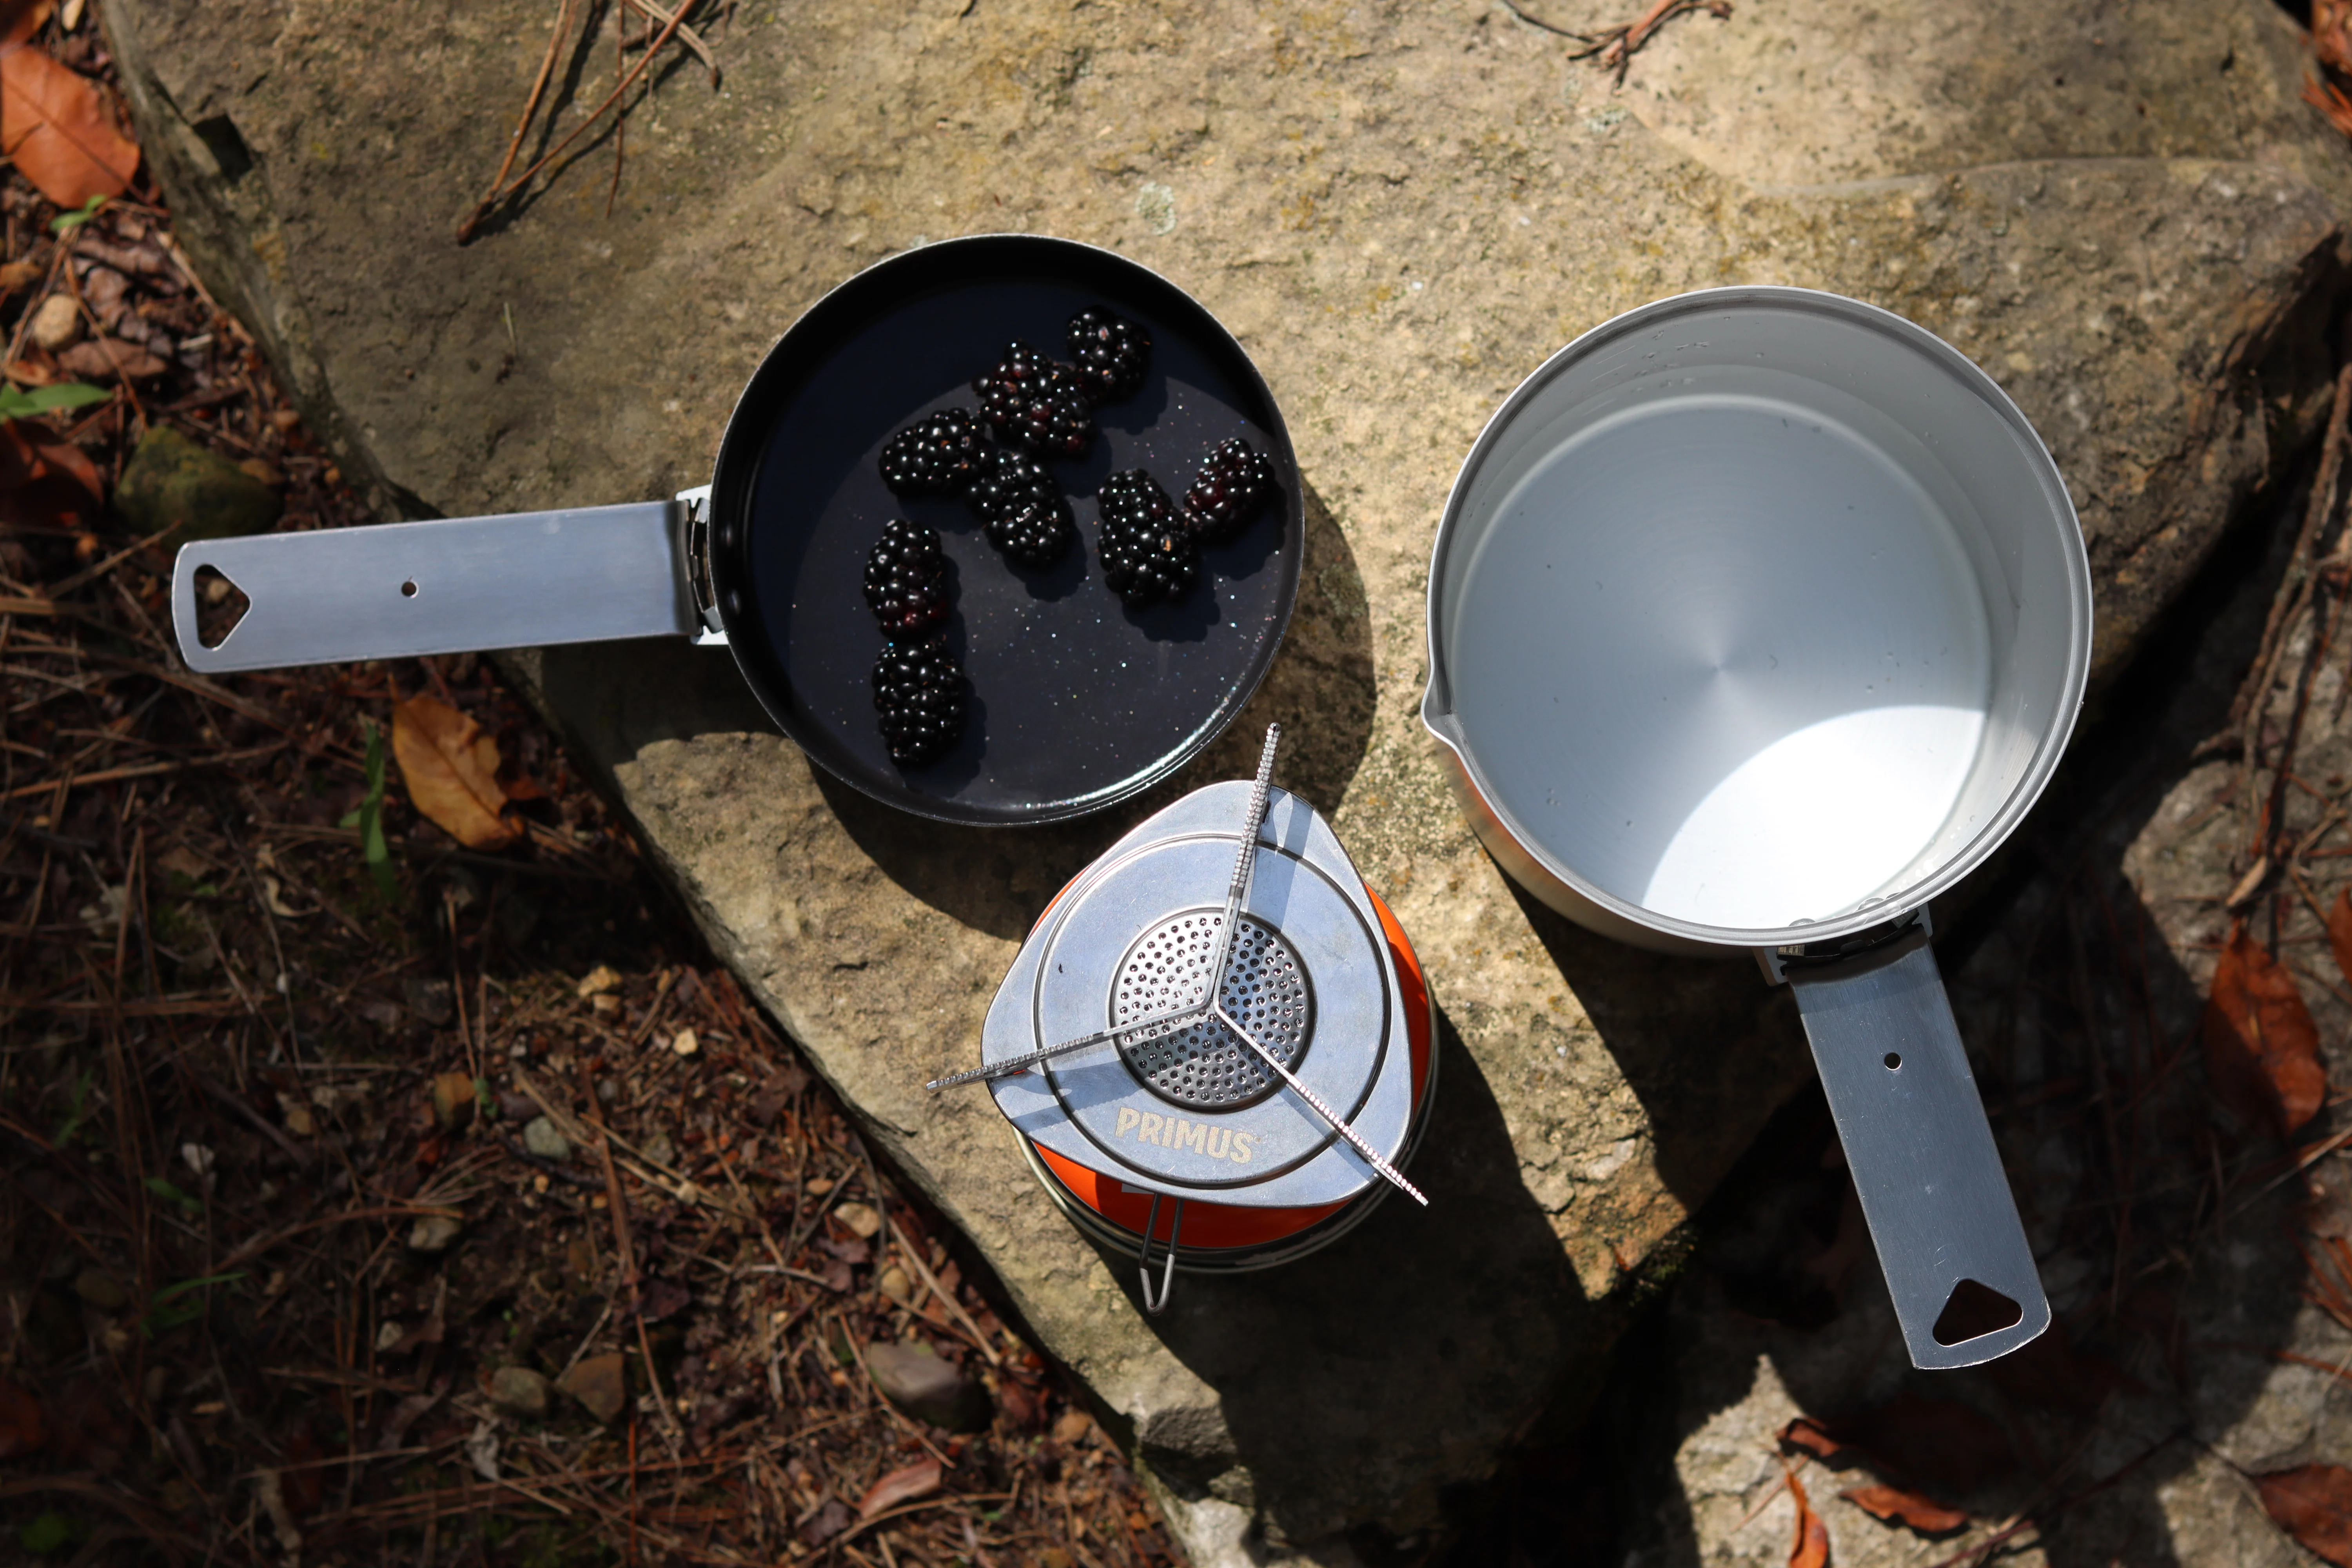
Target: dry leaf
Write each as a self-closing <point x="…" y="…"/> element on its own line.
<point x="2331" y="34"/>
<point x="46" y="482"/>
<point x="2313" y="1504"/>
<point x="107" y="358"/>
<point x="2339" y="933"/>
<point x="451" y="770"/>
<point x="1806" y="1433"/>
<point x="1892" y="1505"/>
<point x="59" y="127"/>
<point x="20" y="1420"/>
<point x="918" y="1480"/>
<point x="1812" y="1547"/>
<point x="2262" y="1049"/>
<point x="1939" y="1441"/>
<point x="20" y="19"/>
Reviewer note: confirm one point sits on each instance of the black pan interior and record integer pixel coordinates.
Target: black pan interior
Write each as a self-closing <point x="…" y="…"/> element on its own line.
<point x="1077" y="701"/>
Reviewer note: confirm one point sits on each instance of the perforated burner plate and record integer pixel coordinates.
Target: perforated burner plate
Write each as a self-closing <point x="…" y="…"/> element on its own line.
<point x="1193" y="1111"/>
<point x="1204" y="1064"/>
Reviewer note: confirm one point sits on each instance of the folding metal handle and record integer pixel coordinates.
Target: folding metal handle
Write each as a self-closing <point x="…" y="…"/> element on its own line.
<point x="396" y="590"/>
<point x="1922" y="1154"/>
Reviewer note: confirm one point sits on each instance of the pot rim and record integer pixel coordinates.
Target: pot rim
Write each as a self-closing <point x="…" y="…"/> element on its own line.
<point x="1437" y="709"/>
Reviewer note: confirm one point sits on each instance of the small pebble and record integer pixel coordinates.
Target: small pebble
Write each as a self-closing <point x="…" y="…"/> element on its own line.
<point x="684" y="1043"/>
<point x="56" y="323"/>
<point x="519" y="1391"/>
<point x="388" y="1333"/>
<point x="101" y="1290"/>
<point x="541" y="1138"/>
<point x="433" y="1233"/>
<point x="861" y="1218"/>
<point x="597" y="981"/>
<point x="895" y="1284"/>
<point x="453" y="1100"/>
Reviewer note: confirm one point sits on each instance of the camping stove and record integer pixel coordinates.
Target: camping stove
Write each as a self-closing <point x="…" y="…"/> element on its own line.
<point x="1234" y="1098"/>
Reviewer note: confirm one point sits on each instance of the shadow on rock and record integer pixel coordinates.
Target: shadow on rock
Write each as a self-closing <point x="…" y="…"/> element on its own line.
<point x="1702" y="1042"/>
<point x="1455" y="1322"/>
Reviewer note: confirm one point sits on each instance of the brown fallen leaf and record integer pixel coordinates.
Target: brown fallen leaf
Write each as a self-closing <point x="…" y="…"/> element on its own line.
<point x="1892" y="1505"/>
<point x="2262" y="1049"/>
<point x="20" y="1421"/>
<point x="46" y="482"/>
<point x="20" y="19"/>
<point x="1812" y="1547"/>
<point x="918" y="1480"/>
<point x="601" y="1384"/>
<point x="2313" y="1504"/>
<point x="109" y="359"/>
<point x="2339" y="933"/>
<point x="450" y="769"/>
<point x="1807" y="1436"/>
<point x="59" y="127"/>
<point x="2331" y="34"/>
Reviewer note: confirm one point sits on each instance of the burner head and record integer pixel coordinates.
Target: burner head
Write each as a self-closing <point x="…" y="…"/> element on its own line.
<point x="1190" y="1111"/>
<point x="1205" y="1065"/>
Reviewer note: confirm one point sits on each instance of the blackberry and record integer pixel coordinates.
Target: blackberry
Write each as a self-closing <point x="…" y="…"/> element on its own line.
<point x="919" y="694"/>
<point x="907" y="579"/>
<point x="940" y="451"/>
<point x="1111" y="355"/>
<point x="1147" y="551"/>
<point x="1234" y="480"/>
<point x="1027" y="518"/>
<point x="1036" y="403"/>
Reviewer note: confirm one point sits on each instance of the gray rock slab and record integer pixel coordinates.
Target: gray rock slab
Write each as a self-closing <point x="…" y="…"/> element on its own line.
<point x="1400" y="210"/>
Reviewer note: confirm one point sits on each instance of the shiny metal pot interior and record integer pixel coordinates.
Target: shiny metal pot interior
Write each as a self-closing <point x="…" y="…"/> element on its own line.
<point x="1758" y="618"/>
<point x="1756" y="615"/>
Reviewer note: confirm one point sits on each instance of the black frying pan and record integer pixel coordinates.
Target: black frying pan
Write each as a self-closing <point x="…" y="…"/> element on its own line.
<point x="1077" y="701"/>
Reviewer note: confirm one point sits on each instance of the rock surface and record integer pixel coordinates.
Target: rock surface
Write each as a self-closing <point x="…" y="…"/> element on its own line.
<point x="1400" y="211"/>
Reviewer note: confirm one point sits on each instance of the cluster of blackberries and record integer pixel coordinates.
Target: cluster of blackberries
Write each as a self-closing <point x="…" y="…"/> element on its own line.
<point x="1037" y="408"/>
<point x="1033" y="408"/>
<point x="917" y="689"/>
<point x="1150" y="548"/>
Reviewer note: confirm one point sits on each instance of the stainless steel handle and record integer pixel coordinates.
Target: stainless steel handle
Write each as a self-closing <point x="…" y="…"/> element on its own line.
<point x="396" y="590"/>
<point x="1922" y="1154"/>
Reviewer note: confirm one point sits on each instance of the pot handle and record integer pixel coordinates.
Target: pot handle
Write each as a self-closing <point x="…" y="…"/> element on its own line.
<point x="1939" y="1207"/>
<point x="450" y="585"/>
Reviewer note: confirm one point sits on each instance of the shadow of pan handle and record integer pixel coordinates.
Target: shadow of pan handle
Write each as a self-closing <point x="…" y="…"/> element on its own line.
<point x="1940" y="1210"/>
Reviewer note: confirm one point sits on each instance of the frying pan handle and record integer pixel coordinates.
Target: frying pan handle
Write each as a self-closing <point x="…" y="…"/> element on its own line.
<point x="1922" y="1154"/>
<point x="451" y="585"/>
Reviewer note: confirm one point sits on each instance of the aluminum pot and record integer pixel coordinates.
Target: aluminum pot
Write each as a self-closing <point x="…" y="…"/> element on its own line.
<point x="1757" y="618"/>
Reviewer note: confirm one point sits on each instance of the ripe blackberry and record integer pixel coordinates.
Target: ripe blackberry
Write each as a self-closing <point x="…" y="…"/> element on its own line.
<point x="1147" y="551"/>
<point x="1026" y="515"/>
<point x="1036" y="403"/>
<point x="940" y="451"/>
<point x="919" y="694"/>
<point x="907" y="579"/>
<point x="1234" y="480"/>
<point x="1111" y="355"/>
